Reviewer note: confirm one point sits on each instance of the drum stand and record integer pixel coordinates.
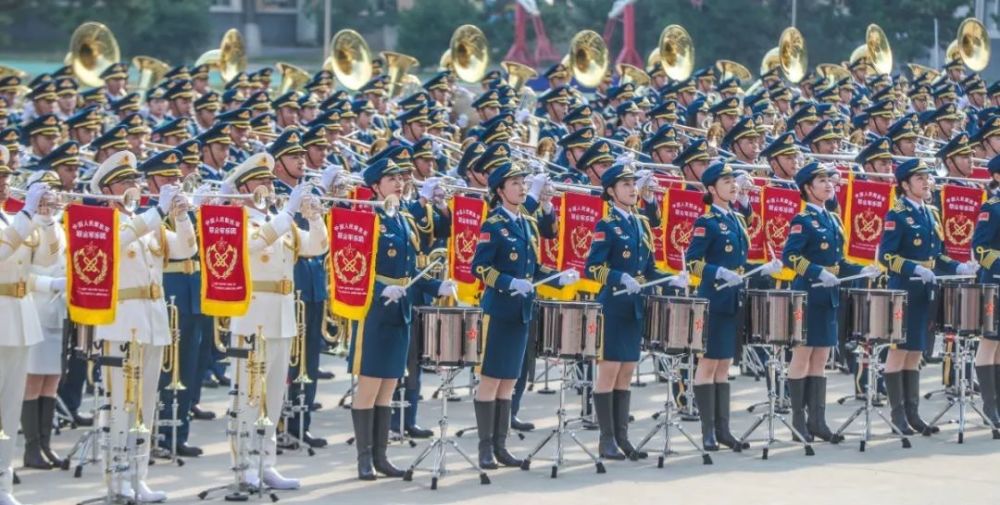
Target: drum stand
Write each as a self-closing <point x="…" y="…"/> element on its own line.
<point x="689" y="412"/>
<point x="87" y="449"/>
<point x="546" y="390"/>
<point x="860" y="350"/>
<point x="946" y="351"/>
<point x="782" y="402"/>
<point x="964" y="396"/>
<point x="439" y="447"/>
<point x="173" y="423"/>
<point x="349" y="394"/>
<point x="775" y="361"/>
<point x="666" y="418"/>
<point x="456" y="398"/>
<point x="868" y="408"/>
<point x="561" y="430"/>
<point x="288" y="411"/>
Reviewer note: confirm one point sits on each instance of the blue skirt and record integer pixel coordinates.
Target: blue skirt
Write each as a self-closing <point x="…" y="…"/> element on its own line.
<point x="821" y="325"/>
<point x="379" y="348"/>
<point x="720" y="340"/>
<point x="505" y="340"/>
<point x="917" y="313"/>
<point x="622" y="338"/>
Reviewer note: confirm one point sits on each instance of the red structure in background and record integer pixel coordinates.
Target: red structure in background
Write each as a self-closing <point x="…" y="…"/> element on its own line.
<point x="628" y="54"/>
<point x="544" y="52"/>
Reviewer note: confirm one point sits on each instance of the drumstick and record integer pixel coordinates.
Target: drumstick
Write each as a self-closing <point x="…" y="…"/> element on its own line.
<point x="417" y="277"/>
<point x="648" y="284"/>
<point x="742" y="277"/>
<point x="844" y="279"/>
<point x="947" y="277"/>
<point x="551" y="277"/>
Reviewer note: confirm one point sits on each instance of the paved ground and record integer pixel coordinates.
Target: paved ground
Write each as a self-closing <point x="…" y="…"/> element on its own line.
<point x="935" y="470"/>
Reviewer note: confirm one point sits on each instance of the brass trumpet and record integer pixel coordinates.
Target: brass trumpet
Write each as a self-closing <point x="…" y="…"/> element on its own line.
<point x="257" y="367"/>
<point x="132" y="370"/>
<point x="171" y="356"/>
<point x="298" y="351"/>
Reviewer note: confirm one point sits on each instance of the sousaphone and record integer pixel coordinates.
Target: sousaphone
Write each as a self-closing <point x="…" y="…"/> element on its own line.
<point x="973" y="44"/>
<point x="731" y="69"/>
<point x="92" y="49"/>
<point x="350" y="59"/>
<point x="676" y="51"/>
<point x="397" y="69"/>
<point x="470" y="53"/>
<point x="151" y="71"/>
<point x="588" y="58"/>
<point x="878" y="50"/>
<point x="229" y="59"/>
<point x="518" y="74"/>
<point x="293" y="78"/>
<point x="792" y="54"/>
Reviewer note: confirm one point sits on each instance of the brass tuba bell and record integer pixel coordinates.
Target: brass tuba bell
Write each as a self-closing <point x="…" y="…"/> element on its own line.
<point x="92" y="49"/>
<point x="350" y="59"/>
<point x="445" y="62"/>
<point x="731" y="69"/>
<point x="397" y="67"/>
<point x="230" y="58"/>
<point x="832" y="72"/>
<point x="293" y="78"/>
<point x="792" y="54"/>
<point x="633" y="74"/>
<point x="518" y="74"/>
<point x="470" y="53"/>
<point x="770" y="61"/>
<point x="973" y="44"/>
<point x="878" y="50"/>
<point x="676" y="51"/>
<point x="917" y="70"/>
<point x="588" y="58"/>
<point x="151" y="71"/>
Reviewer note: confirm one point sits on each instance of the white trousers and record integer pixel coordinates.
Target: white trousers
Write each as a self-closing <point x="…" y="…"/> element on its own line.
<point x="13" y="372"/>
<point x="121" y="420"/>
<point x="276" y="356"/>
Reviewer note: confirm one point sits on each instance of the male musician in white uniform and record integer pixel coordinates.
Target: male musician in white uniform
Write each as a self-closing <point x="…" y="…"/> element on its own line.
<point x="27" y="238"/>
<point x="141" y="314"/>
<point x="269" y="324"/>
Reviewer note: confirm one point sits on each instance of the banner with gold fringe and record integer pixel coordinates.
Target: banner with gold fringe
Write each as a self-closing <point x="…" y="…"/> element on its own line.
<point x="959" y="213"/>
<point x="225" y="263"/>
<point x="867" y="204"/>
<point x="551" y="256"/>
<point x="353" y="246"/>
<point x="681" y="208"/>
<point x="777" y="208"/>
<point x="92" y="261"/>
<point x="578" y="219"/>
<point x="467" y="216"/>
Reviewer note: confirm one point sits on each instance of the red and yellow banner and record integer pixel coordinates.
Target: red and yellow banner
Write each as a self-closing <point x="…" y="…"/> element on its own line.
<point x="551" y="252"/>
<point x="363" y="193"/>
<point x="680" y="210"/>
<point x="777" y="208"/>
<point x="467" y="216"/>
<point x="959" y="213"/>
<point x="867" y="204"/>
<point x="578" y="219"/>
<point x="757" y="252"/>
<point x="353" y="246"/>
<point x="225" y="261"/>
<point x="92" y="261"/>
<point x="13" y="205"/>
<point x="843" y="189"/>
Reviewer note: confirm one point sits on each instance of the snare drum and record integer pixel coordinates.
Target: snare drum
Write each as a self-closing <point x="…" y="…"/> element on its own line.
<point x="969" y="309"/>
<point x="569" y="330"/>
<point x="450" y="335"/>
<point x="675" y="324"/>
<point x="878" y="315"/>
<point x="776" y="316"/>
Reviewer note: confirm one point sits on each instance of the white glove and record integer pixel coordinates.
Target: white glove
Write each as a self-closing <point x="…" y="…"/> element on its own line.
<point x="448" y="288"/>
<point x="58" y="285"/>
<point x="329" y="176"/>
<point x="428" y="187"/>
<point x="681" y="280"/>
<point x="967" y="268"/>
<point x="743" y="196"/>
<point x="827" y="279"/>
<point x="772" y="267"/>
<point x="743" y="180"/>
<point x="729" y="277"/>
<point x="569" y="277"/>
<point x="522" y="115"/>
<point x="536" y="166"/>
<point x="521" y="287"/>
<point x="926" y="275"/>
<point x="462" y="121"/>
<point x="201" y="193"/>
<point x="167" y="194"/>
<point x="393" y="293"/>
<point x="537" y="185"/>
<point x="632" y="286"/>
<point x="437" y="149"/>
<point x="625" y="158"/>
<point x="871" y="271"/>
<point x="34" y="198"/>
<point x="295" y="199"/>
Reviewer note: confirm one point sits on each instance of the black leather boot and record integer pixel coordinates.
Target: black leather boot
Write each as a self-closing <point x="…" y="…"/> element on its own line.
<point x="604" y="407"/>
<point x="364" y="420"/>
<point x="501" y="427"/>
<point x="894" y="391"/>
<point x="816" y="387"/>
<point x="383" y="415"/>
<point x="485" y="417"/>
<point x="797" y="393"/>
<point x="622" y="401"/>
<point x="988" y="391"/>
<point x="704" y="396"/>
<point x="911" y="397"/>
<point x="32" y="436"/>
<point x="722" y="433"/>
<point x="47" y="411"/>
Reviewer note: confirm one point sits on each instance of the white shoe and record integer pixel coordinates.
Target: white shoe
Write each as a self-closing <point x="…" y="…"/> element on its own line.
<point x="251" y="479"/>
<point x="275" y="480"/>
<point x="8" y="499"/>
<point x="149" y="496"/>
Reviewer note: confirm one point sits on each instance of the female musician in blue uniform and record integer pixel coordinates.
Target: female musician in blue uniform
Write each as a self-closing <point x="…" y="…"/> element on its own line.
<point x="717" y="254"/>
<point x="506" y="261"/>
<point x="379" y="347"/>
<point x="986" y="246"/>
<point x="621" y="257"/>
<point x="815" y="251"/>
<point x="911" y="247"/>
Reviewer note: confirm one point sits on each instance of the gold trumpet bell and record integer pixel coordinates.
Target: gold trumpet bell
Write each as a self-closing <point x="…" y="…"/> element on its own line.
<point x="973" y="43"/>
<point x="470" y="53"/>
<point x="229" y="59"/>
<point x="731" y="69"/>
<point x="792" y="55"/>
<point x="676" y="52"/>
<point x="588" y="58"/>
<point x="350" y="59"/>
<point x="770" y="61"/>
<point x="397" y="66"/>
<point x="832" y="72"/>
<point x="6" y="71"/>
<point x="151" y="71"/>
<point x="917" y="70"/>
<point x="518" y="74"/>
<point x="92" y="49"/>
<point x="878" y="50"/>
<point x="293" y="78"/>
<point x="633" y="74"/>
<point x="445" y="62"/>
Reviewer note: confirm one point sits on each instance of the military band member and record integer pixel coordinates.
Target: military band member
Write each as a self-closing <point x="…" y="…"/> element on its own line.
<point x="286" y="111"/>
<point x="41" y="99"/>
<point x="506" y="260"/>
<point x="414" y="123"/>
<point x="85" y="125"/>
<point x="172" y="132"/>
<point x="717" y="254"/>
<point x="986" y="250"/>
<point x="875" y="158"/>
<point x="912" y="246"/>
<point x="156" y="110"/>
<point x="206" y="107"/>
<point x="215" y="144"/>
<point x="802" y="121"/>
<point x="269" y="323"/>
<point x="573" y="146"/>
<point x="137" y="133"/>
<point x="742" y="140"/>
<point x="628" y="121"/>
<point x="66" y="97"/>
<point x="379" y="348"/>
<point x="42" y="137"/>
<point x="904" y="137"/>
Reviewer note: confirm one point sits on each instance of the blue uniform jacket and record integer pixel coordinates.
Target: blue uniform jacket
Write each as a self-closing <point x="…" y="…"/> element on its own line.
<point x="719" y="239"/>
<point x="622" y="245"/>
<point x="986" y="240"/>
<point x="816" y="242"/>
<point x="912" y="236"/>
